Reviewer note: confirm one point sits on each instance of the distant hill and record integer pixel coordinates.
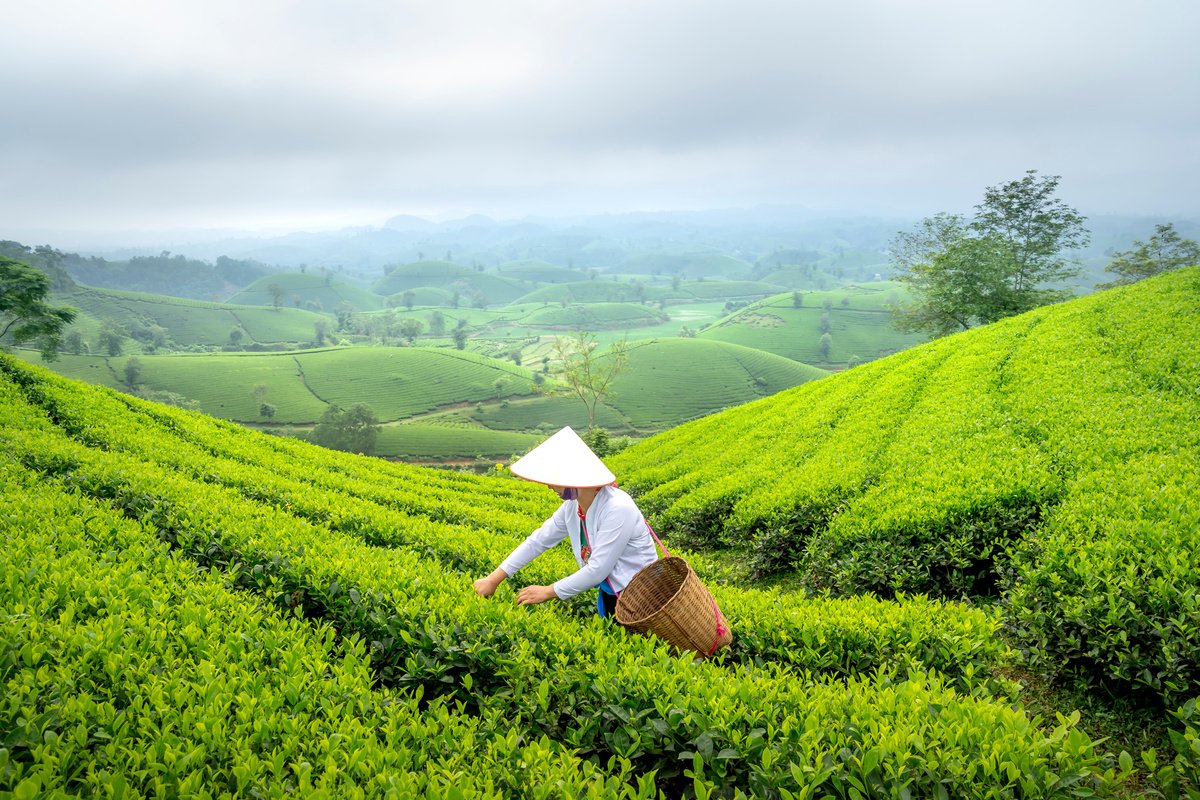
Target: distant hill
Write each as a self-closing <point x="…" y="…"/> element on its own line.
<point x="610" y="291"/>
<point x="859" y="325"/>
<point x="693" y="265"/>
<point x="594" y="316"/>
<point x="670" y="380"/>
<point x="540" y="272"/>
<point x="186" y="322"/>
<point x="174" y="275"/>
<point x="472" y="286"/>
<point x="308" y="291"/>
<point x="396" y="382"/>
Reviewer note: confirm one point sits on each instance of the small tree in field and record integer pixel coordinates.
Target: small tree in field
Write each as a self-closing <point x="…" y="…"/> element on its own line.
<point x="133" y="372"/>
<point x="353" y="430"/>
<point x="587" y="373"/>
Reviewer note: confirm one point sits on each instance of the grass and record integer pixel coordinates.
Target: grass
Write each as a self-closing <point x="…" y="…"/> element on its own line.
<point x="860" y="326"/>
<point x="417" y="441"/>
<point x="302" y="289"/>
<point x="188" y="322"/>
<point x="661" y="385"/>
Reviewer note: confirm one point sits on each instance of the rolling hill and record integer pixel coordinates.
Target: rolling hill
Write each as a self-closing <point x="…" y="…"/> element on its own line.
<point x="313" y="292"/>
<point x="187" y="322"/>
<point x="1050" y="461"/>
<point x="661" y="385"/>
<point x="859" y="325"/>
<point x="395" y="382"/>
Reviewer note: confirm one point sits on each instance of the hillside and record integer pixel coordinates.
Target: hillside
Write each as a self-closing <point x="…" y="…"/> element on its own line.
<point x="184" y="322"/>
<point x="395" y="382"/>
<point x="661" y="385"/>
<point x="312" y="292"/>
<point x="1050" y="460"/>
<point x="203" y="590"/>
<point x="859" y="325"/>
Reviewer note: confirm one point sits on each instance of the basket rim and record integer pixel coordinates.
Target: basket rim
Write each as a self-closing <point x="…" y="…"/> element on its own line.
<point x="667" y="602"/>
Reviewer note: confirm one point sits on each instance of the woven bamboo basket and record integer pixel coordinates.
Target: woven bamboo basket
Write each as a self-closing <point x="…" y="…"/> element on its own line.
<point x="667" y="599"/>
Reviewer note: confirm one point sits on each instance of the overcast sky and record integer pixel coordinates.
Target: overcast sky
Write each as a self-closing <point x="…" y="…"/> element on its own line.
<point x="149" y="114"/>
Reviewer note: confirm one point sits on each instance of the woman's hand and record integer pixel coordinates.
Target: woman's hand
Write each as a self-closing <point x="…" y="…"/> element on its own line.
<point x="486" y="587"/>
<point x="532" y="595"/>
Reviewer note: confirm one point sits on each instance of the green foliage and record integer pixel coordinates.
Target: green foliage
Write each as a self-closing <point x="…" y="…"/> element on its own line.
<point x="996" y="265"/>
<point x="1166" y="250"/>
<point x="861" y="331"/>
<point x="353" y="430"/>
<point x="1048" y="460"/>
<point x="825" y="696"/>
<point x="661" y="386"/>
<point x="309" y="289"/>
<point x="587" y="373"/>
<point x="25" y="316"/>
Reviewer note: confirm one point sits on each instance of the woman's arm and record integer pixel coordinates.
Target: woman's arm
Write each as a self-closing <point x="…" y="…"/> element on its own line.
<point x="551" y="532"/>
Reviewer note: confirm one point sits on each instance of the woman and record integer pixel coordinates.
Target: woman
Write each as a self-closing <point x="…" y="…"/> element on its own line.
<point x="608" y="533"/>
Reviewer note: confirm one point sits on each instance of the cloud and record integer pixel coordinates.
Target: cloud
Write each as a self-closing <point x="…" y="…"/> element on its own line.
<point x="146" y="113"/>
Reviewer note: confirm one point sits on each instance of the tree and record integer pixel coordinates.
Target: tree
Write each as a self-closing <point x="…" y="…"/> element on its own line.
<point x="588" y="374"/>
<point x="460" y="338"/>
<point x="826" y="345"/>
<point x="235" y="336"/>
<point x="797" y="300"/>
<point x="437" y="323"/>
<point x="266" y="410"/>
<point x="344" y="312"/>
<point x="25" y="316"/>
<point x="260" y="393"/>
<point x="133" y="371"/>
<point x="277" y="294"/>
<point x="353" y="430"/>
<point x="75" y="343"/>
<point x="967" y="273"/>
<point x="112" y="337"/>
<point x="411" y="328"/>
<point x="409" y="297"/>
<point x="320" y="332"/>
<point x="1165" y="251"/>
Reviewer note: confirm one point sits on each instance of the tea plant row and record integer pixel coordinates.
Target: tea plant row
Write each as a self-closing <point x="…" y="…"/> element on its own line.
<point x="706" y="727"/>
<point x="836" y="636"/>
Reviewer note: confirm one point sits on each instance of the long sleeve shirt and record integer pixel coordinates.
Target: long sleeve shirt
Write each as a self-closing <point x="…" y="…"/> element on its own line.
<point x="620" y="542"/>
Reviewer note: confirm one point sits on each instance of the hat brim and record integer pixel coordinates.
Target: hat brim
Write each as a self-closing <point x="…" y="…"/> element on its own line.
<point x="563" y="460"/>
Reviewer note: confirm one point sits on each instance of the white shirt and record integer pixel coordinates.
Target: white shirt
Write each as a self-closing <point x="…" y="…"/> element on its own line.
<point x="617" y="531"/>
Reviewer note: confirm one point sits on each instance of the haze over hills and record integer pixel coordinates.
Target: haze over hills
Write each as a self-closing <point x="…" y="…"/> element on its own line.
<point x="782" y="281"/>
<point x="666" y="242"/>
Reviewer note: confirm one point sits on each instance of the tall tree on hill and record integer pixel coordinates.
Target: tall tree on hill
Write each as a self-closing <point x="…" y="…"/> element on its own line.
<point x="588" y="374"/>
<point x="1165" y="251"/>
<point x="25" y="316"/>
<point x="1002" y="262"/>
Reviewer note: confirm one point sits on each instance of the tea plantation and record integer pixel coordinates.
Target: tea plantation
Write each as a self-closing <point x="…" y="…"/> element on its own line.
<point x="189" y="608"/>
<point x="1050" y="461"/>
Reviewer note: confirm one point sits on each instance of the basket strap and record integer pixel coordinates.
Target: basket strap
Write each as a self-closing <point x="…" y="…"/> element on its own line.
<point x="720" y="628"/>
<point x="656" y="539"/>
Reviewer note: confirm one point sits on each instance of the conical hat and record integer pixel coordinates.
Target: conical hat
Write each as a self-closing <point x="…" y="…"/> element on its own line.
<point x="563" y="460"/>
